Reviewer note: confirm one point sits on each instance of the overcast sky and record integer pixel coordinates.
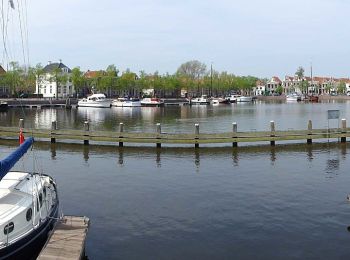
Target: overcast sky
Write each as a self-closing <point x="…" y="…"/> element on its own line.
<point x="244" y="37"/>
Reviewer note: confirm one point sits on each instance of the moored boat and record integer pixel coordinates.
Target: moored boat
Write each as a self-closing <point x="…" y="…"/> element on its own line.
<point x="152" y="102"/>
<point x="233" y="98"/>
<point x="203" y="100"/>
<point x="126" y="102"/>
<point x="28" y="207"/>
<point x="293" y="97"/>
<point x="95" y="100"/>
<point x="3" y="106"/>
<point x="218" y="101"/>
<point x="244" y="99"/>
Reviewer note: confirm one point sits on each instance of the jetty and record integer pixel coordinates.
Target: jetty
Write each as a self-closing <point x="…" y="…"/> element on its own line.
<point x="40" y="103"/>
<point x="86" y="135"/>
<point x="67" y="240"/>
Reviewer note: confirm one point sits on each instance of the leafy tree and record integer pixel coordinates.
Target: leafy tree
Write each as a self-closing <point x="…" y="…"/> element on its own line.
<point x="279" y="90"/>
<point x="14" y="77"/>
<point x="341" y="87"/>
<point x="300" y="72"/>
<point x="304" y="86"/>
<point x="78" y="79"/>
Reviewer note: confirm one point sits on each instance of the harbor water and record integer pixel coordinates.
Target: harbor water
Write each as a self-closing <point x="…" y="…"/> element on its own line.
<point x="253" y="202"/>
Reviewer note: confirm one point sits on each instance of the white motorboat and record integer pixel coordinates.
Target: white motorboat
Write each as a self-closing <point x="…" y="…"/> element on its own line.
<point x="28" y="207"/>
<point x="118" y="102"/>
<point x="218" y="101"/>
<point x="293" y="97"/>
<point x="244" y="99"/>
<point x="233" y="98"/>
<point x="126" y="102"/>
<point x="95" y="100"/>
<point x="203" y="100"/>
<point x="152" y="102"/>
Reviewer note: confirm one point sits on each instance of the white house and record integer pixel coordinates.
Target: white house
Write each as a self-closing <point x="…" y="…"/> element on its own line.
<point x="259" y="89"/>
<point x="49" y="86"/>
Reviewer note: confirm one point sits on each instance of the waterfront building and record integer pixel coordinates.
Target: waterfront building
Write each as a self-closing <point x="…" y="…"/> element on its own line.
<point x="259" y="89"/>
<point x="272" y="85"/>
<point x="55" y="82"/>
<point x="4" y="89"/>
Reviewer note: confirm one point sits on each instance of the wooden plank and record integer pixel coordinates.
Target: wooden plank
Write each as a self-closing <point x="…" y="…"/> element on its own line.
<point x="67" y="241"/>
<point x="66" y="135"/>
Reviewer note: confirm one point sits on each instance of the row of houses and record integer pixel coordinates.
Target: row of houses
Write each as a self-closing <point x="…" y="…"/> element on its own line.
<point x="302" y="85"/>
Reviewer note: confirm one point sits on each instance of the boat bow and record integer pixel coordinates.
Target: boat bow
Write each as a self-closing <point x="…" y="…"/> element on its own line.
<point x="7" y="163"/>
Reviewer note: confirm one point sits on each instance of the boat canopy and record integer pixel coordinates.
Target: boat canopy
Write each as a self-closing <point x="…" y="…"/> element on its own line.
<point x="7" y="163"/>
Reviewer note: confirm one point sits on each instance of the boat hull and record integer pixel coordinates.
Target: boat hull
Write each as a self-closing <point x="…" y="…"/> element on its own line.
<point x="30" y="246"/>
<point x="3" y="107"/>
<point x="244" y="99"/>
<point x="95" y="104"/>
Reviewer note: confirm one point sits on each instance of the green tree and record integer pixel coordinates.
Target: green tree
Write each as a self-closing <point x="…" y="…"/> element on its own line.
<point x="78" y="79"/>
<point x="304" y="86"/>
<point x="341" y="87"/>
<point x="279" y="90"/>
<point x="300" y="72"/>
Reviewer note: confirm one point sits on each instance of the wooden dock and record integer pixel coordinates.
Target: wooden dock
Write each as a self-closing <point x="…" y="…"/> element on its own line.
<point x="67" y="241"/>
<point x="158" y="137"/>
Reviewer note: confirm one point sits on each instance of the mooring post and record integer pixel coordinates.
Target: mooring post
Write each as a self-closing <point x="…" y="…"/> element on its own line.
<point x="21" y="123"/>
<point x="121" y="130"/>
<point x="234" y="134"/>
<point x="196" y="132"/>
<point x="53" y="129"/>
<point x="272" y="126"/>
<point x="87" y="129"/>
<point x="159" y="131"/>
<point x="309" y="129"/>
<point x="343" y="130"/>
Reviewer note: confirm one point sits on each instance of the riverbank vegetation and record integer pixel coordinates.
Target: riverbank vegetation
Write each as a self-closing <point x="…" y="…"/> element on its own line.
<point x="192" y="78"/>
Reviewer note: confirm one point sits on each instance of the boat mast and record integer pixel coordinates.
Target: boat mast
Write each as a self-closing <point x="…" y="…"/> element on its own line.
<point x="312" y="81"/>
<point x="211" y="79"/>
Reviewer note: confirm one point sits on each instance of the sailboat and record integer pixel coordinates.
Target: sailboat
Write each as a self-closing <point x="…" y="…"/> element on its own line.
<point x="28" y="207"/>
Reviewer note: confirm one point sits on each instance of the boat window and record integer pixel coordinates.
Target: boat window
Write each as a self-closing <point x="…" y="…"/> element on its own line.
<point x="41" y="199"/>
<point x="37" y="204"/>
<point x="9" y="228"/>
<point x="29" y="214"/>
<point x="44" y="190"/>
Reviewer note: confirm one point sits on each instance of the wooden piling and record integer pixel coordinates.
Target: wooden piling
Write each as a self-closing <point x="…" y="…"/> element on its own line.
<point x="234" y="134"/>
<point x="196" y="132"/>
<point x="53" y="129"/>
<point x="21" y="123"/>
<point x="309" y="129"/>
<point x="159" y="131"/>
<point x="343" y="130"/>
<point x="272" y="126"/>
<point x="87" y="129"/>
<point x="121" y="130"/>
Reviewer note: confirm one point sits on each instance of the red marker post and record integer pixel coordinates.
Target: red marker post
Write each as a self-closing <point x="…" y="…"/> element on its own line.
<point x="21" y="137"/>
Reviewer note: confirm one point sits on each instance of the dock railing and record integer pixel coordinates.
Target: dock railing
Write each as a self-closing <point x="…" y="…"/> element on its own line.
<point x="196" y="138"/>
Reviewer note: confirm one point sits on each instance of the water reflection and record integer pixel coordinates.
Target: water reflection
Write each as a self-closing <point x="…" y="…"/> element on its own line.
<point x="333" y="162"/>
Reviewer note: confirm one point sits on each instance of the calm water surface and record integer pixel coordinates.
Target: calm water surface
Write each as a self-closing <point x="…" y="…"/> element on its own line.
<point x="284" y="202"/>
<point x="181" y="119"/>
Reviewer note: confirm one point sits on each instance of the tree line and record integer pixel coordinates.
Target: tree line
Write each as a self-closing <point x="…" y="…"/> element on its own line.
<point x="191" y="77"/>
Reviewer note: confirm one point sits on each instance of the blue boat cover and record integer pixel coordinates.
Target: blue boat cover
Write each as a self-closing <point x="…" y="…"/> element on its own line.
<point x="7" y="163"/>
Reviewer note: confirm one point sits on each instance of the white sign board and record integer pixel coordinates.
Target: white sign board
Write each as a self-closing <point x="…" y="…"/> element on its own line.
<point x="333" y="114"/>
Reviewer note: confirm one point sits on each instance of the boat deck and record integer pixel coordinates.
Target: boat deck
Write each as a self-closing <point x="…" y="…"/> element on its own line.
<point x="67" y="240"/>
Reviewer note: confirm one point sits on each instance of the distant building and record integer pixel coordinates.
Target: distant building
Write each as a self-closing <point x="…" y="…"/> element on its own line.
<point x="48" y="84"/>
<point x="259" y="89"/>
<point x="272" y="85"/>
<point x="4" y="90"/>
